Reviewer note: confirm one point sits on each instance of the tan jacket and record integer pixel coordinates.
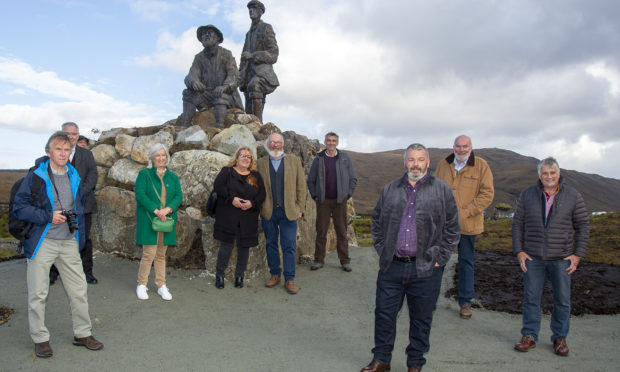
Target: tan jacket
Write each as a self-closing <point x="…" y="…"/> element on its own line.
<point x="294" y="187"/>
<point x="472" y="188"/>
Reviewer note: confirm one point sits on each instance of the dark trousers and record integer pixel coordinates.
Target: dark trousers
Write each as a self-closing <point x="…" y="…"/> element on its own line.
<point x="466" y="269"/>
<point x="223" y="256"/>
<point x="86" y="254"/>
<point x="325" y="211"/>
<point x="398" y="281"/>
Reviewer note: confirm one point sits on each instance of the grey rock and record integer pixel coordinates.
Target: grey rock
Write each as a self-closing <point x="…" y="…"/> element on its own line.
<point x="141" y="146"/>
<point x="124" y="144"/>
<point x="230" y="139"/>
<point x="105" y="155"/>
<point x="125" y="171"/>
<point x="193" y="135"/>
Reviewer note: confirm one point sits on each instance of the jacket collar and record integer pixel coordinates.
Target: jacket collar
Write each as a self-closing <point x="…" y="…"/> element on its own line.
<point x="471" y="161"/>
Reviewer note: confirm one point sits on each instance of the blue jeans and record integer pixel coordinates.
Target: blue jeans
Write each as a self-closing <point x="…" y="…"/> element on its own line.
<point x="533" y="284"/>
<point x="466" y="269"/>
<point x="280" y="226"/>
<point x="398" y="281"/>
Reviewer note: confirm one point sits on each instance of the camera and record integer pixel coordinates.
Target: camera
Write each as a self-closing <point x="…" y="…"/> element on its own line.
<point x="71" y="220"/>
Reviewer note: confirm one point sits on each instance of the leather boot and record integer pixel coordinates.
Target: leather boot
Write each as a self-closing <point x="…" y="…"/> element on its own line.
<point x="219" y="281"/>
<point x="220" y="114"/>
<point x="238" y="282"/>
<point x="257" y="108"/>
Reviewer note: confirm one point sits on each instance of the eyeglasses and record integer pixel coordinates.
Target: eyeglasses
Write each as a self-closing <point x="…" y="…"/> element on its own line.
<point x="246" y="157"/>
<point x="275" y="142"/>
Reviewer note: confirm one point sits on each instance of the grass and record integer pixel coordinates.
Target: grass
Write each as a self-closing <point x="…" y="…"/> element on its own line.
<point x="604" y="244"/>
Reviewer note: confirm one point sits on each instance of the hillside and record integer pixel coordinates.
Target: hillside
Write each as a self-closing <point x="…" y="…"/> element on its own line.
<point x="512" y="174"/>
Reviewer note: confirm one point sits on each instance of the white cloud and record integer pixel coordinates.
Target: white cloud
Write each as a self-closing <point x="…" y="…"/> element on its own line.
<point x="64" y="100"/>
<point x="151" y="10"/>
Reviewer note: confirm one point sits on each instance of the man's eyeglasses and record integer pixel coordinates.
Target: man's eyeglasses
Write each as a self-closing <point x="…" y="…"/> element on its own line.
<point x="275" y="142"/>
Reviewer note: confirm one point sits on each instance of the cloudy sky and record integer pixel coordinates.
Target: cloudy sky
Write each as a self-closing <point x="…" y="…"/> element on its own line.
<point x="538" y="77"/>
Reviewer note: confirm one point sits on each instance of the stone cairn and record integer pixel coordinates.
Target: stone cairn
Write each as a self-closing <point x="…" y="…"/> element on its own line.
<point x="198" y="153"/>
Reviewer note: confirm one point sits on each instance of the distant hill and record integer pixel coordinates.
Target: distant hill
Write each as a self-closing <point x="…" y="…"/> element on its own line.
<point x="512" y="173"/>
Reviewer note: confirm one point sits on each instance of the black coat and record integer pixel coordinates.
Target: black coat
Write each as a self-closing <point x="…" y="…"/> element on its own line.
<point x="87" y="169"/>
<point x="231" y="221"/>
<point x="565" y="231"/>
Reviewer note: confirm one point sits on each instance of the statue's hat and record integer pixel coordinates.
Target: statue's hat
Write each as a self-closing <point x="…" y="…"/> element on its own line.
<point x="258" y="4"/>
<point x="202" y="29"/>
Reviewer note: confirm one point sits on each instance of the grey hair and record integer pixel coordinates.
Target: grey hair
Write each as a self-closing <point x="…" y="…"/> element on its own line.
<point x="266" y="143"/>
<point x="416" y="146"/>
<point x="57" y="136"/>
<point x="548" y="162"/>
<point x="331" y="134"/>
<point x="155" y="148"/>
<point x="69" y="124"/>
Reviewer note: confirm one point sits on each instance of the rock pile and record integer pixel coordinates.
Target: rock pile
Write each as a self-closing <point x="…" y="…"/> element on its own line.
<point x="197" y="155"/>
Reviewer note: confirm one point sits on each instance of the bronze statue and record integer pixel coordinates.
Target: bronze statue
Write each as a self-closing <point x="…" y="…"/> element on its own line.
<point x="212" y="79"/>
<point x="260" y="52"/>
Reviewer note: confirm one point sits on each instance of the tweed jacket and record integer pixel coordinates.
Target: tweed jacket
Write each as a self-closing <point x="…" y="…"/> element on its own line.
<point x="472" y="188"/>
<point x="437" y="223"/>
<point x="294" y="187"/>
<point x="563" y="233"/>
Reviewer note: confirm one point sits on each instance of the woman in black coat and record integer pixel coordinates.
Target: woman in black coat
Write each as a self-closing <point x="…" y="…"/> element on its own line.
<point x="240" y="193"/>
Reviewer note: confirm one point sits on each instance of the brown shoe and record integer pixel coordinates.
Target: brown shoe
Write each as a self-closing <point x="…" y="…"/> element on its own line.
<point x="273" y="281"/>
<point x="526" y="343"/>
<point x="560" y="347"/>
<point x="413" y="369"/>
<point x="465" y="311"/>
<point x="375" y="366"/>
<point x="290" y="287"/>
<point x="89" y="342"/>
<point x="43" y="349"/>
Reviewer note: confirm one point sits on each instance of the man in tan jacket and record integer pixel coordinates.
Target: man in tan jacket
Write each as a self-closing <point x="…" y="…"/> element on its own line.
<point x="471" y="181"/>
<point x="285" y="186"/>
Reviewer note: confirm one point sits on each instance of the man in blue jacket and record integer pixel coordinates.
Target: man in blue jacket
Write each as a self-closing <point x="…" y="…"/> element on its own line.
<point x="331" y="182"/>
<point x="57" y="236"/>
<point x="415" y="229"/>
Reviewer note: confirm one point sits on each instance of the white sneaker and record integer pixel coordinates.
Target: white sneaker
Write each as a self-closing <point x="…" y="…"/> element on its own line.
<point x="164" y="293"/>
<point x="141" y="292"/>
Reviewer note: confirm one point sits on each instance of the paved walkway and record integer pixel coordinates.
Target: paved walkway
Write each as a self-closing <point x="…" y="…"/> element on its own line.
<point x="328" y="326"/>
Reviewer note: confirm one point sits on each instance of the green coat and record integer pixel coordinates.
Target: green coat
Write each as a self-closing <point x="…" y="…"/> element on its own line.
<point x="147" y="202"/>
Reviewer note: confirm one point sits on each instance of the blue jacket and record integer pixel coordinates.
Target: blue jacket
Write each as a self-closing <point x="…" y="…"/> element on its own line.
<point x="41" y="214"/>
<point x="437" y="223"/>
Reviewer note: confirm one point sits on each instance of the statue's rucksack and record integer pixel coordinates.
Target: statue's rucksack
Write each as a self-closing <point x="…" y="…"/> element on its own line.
<point x="18" y="228"/>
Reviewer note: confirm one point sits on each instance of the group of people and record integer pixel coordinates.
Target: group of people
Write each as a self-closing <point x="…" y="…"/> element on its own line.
<point x="419" y="220"/>
<point x="271" y="189"/>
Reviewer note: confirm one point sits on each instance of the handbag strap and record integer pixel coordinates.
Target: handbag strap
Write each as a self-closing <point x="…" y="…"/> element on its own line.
<point x="161" y="202"/>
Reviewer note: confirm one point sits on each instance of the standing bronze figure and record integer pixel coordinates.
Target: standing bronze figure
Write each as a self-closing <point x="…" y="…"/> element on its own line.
<point x="260" y="52"/>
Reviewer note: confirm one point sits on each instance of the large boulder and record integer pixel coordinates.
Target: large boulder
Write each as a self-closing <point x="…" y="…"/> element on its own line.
<point x="193" y="136"/>
<point x="124" y="145"/>
<point x="197" y="170"/>
<point x="125" y="171"/>
<point x="114" y="224"/>
<point x="141" y="146"/>
<point x="105" y="155"/>
<point x="230" y="139"/>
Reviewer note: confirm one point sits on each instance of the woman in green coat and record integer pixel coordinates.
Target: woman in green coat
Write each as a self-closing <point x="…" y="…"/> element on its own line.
<point x="158" y="195"/>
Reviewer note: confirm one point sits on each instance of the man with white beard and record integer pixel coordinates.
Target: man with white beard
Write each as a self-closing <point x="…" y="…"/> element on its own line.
<point x="471" y="181"/>
<point x="415" y="229"/>
<point x="285" y="186"/>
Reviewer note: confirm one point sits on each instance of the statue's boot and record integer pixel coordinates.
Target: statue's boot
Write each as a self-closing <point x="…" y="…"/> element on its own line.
<point x="220" y="113"/>
<point x="188" y="113"/>
<point x="257" y="106"/>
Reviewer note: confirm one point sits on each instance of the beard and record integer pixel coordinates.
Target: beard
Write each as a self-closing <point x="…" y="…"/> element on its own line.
<point x="414" y="177"/>
<point x="276" y="154"/>
<point x="463" y="157"/>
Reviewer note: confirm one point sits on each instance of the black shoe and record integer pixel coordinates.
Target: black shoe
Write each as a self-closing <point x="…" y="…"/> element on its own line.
<point x="90" y="279"/>
<point x="53" y="278"/>
<point x="238" y="282"/>
<point x="219" y="281"/>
